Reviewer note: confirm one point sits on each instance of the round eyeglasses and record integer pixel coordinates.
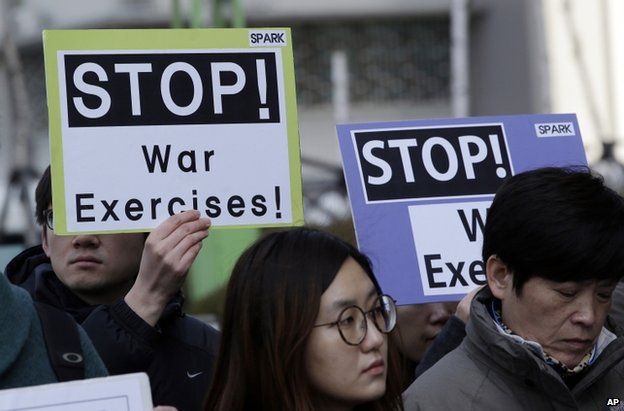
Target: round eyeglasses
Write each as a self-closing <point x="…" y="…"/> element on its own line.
<point x="352" y="321"/>
<point x="49" y="219"/>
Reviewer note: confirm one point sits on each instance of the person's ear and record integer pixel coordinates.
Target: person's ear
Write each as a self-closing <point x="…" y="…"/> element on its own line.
<point x="44" y="240"/>
<point x="499" y="277"/>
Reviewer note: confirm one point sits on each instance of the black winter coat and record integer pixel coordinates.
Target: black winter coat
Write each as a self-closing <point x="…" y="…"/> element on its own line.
<point x="178" y="354"/>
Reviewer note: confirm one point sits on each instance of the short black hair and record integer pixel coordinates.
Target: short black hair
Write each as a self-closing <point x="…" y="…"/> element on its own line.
<point x="43" y="196"/>
<point x="560" y="224"/>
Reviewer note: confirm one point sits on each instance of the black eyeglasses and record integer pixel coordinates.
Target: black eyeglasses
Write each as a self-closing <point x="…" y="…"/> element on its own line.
<point x="49" y="219"/>
<point x="353" y="325"/>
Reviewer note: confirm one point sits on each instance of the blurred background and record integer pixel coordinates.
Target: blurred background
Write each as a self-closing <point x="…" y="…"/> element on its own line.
<point x="355" y="61"/>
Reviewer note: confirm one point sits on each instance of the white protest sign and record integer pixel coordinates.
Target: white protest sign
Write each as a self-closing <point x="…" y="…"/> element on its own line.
<point x="129" y="392"/>
<point x="447" y="240"/>
<point x="148" y="123"/>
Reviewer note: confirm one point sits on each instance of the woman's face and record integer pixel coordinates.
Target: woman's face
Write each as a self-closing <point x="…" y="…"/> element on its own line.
<point x="342" y="374"/>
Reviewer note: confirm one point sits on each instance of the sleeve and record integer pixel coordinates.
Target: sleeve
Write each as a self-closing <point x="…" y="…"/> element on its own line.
<point x="124" y="341"/>
<point x="449" y="338"/>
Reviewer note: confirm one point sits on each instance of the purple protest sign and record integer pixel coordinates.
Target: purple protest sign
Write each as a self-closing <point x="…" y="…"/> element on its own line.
<point x="420" y="191"/>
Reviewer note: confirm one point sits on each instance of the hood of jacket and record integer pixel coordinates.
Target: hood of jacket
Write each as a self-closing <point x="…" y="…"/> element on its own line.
<point x="32" y="271"/>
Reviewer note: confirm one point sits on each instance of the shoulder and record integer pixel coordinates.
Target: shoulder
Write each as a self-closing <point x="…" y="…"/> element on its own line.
<point x="194" y="332"/>
<point x="18" y="311"/>
<point x="608" y="371"/>
<point x="456" y="373"/>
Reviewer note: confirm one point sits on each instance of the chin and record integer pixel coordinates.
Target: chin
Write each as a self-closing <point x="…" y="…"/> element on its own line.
<point x="569" y="359"/>
<point x="375" y="391"/>
<point x="571" y="362"/>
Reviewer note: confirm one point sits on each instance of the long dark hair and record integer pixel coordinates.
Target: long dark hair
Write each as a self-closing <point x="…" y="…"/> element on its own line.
<point x="272" y="301"/>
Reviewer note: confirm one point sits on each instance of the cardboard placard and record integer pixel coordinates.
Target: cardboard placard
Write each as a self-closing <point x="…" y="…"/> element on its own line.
<point x="129" y="392"/>
<point x="420" y="191"/>
<point x="148" y="123"/>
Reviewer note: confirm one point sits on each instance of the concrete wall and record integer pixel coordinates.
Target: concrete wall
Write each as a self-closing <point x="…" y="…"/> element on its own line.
<point x="586" y="62"/>
<point x="502" y="77"/>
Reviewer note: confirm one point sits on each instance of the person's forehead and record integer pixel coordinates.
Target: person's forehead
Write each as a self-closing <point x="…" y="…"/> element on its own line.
<point x="541" y="281"/>
<point x="351" y="285"/>
<point x="415" y="310"/>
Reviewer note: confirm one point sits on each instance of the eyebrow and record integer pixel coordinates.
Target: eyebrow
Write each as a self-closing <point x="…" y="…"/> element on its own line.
<point x="338" y="304"/>
<point x="607" y="283"/>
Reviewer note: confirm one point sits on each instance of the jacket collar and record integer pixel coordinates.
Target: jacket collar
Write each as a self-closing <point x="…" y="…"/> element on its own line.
<point x="508" y="356"/>
<point x="32" y="270"/>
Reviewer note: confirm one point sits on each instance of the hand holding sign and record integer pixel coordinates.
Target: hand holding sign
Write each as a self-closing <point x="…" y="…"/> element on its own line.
<point x="168" y="254"/>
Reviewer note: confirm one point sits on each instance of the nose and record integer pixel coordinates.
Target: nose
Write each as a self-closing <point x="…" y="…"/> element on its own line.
<point x="440" y="314"/>
<point x="586" y="312"/>
<point x="86" y="241"/>
<point x="374" y="338"/>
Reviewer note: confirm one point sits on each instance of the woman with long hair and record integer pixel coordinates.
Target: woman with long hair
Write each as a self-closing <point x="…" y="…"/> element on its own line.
<point x="305" y="328"/>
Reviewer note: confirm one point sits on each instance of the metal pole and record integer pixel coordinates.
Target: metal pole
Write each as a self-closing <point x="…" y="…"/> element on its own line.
<point x="608" y="68"/>
<point x="460" y="74"/>
<point x="340" y="85"/>
<point x="20" y="171"/>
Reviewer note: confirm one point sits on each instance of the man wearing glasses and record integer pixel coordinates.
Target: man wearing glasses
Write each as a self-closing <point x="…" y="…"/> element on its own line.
<point x="124" y="289"/>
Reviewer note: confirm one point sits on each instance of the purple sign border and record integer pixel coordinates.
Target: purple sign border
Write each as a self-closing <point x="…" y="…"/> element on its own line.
<point x="384" y="230"/>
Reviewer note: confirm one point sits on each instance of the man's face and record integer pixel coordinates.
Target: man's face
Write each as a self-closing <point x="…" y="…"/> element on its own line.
<point x="565" y="318"/>
<point x="97" y="268"/>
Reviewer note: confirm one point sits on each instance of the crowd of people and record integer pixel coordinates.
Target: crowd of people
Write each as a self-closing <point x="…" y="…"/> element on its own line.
<point x="308" y="327"/>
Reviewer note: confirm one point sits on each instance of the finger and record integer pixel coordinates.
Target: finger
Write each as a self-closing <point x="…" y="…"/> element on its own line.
<point x="172" y="223"/>
<point x="174" y="247"/>
<point x="189" y="257"/>
<point x="187" y="243"/>
<point x="183" y="231"/>
<point x="164" y="244"/>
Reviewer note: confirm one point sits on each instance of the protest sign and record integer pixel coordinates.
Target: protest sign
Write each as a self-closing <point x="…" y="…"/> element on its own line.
<point x="420" y="191"/>
<point x="148" y="123"/>
<point x="129" y="392"/>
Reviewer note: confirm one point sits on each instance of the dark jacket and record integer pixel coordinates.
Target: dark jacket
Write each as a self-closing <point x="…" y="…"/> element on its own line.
<point x="454" y="332"/>
<point x="449" y="338"/>
<point x="178" y="354"/>
<point x="617" y="305"/>
<point x="24" y="359"/>
<point x="490" y="371"/>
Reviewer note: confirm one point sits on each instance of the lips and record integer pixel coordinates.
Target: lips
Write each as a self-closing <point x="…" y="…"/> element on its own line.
<point x="430" y="338"/>
<point x="377" y="367"/>
<point x="577" y="344"/>
<point x="85" y="259"/>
